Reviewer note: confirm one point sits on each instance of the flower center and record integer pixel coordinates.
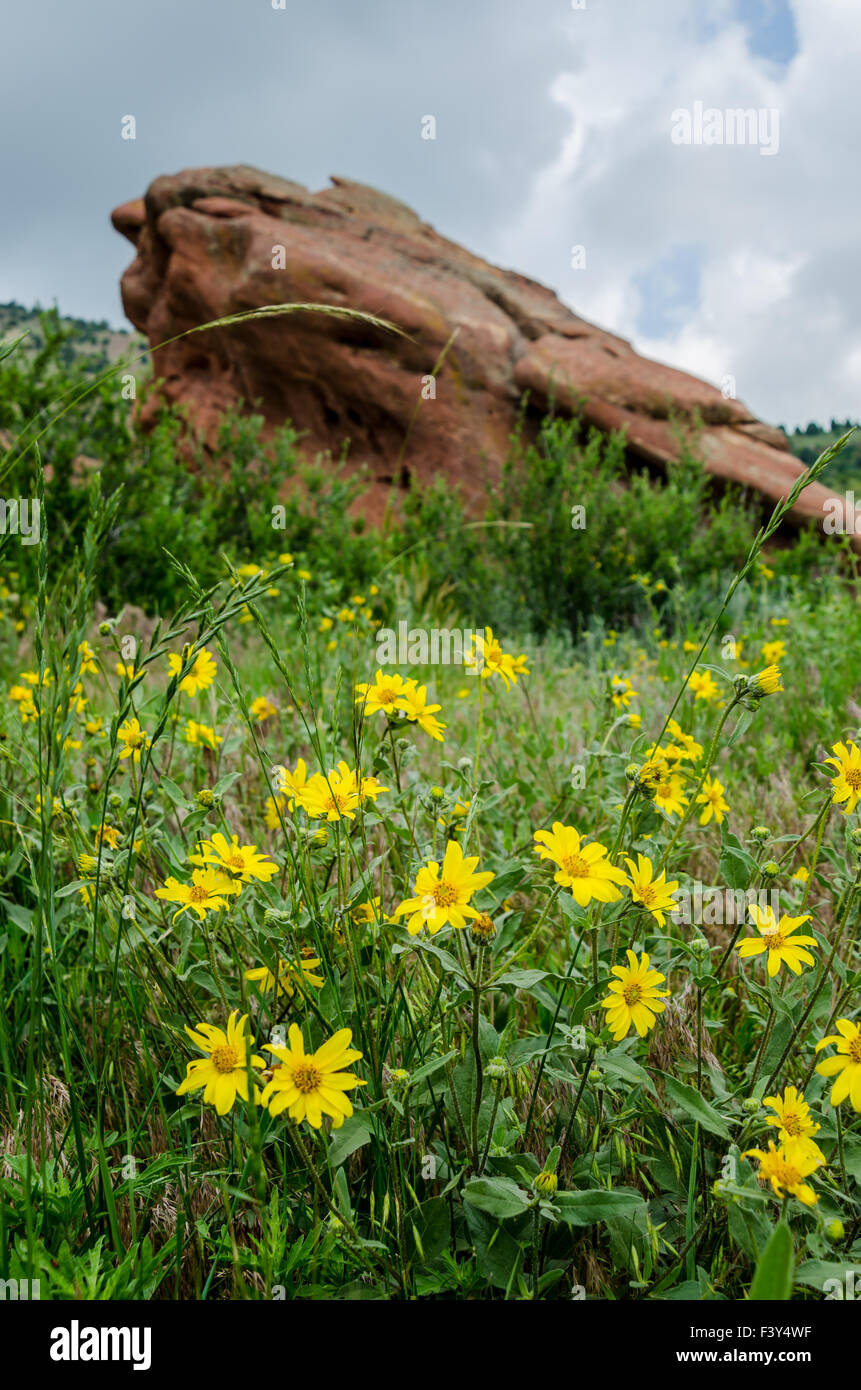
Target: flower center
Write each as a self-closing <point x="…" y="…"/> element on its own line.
<point x="235" y="861"/>
<point x="387" y="695"/>
<point x="665" y="790"/>
<point x="786" y="1175"/>
<point x="791" y="1122"/>
<point x="855" y="1049"/>
<point x="632" y="994"/>
<point x="852" y="776"/>
<point x="307" y="1077"/>
<point x="646" y="894"/>
<point x="575" y="866"/>
<point x="774" y="941"/>
<point x="198" y="894"/>
<point x="224" y="1058"/>
<point x="444" y="895"/>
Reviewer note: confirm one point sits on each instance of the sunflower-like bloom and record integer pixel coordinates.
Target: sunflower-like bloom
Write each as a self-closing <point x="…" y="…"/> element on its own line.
<point x="486" y="653"/>
<point x="201" y="735"/>
<point x="634" y="997"/>
<point x="289" y="787"/>
<point x="366" y="913"/>
<point x="693" y="750"/>
<point x="786" y="1168"/>
<point x="847" y="783"/>
<point x="262" y="709"/>
<point x="767" y="682"/>
<point x="311" y="1085"/>
<point x="290" y="975"/>
<point x="585" y="869"/>
<point x="669" y="755"/>
<point x="776" y="939"/>
<point x="711" y="798"/>
<point x="241" y="861"/>
<point x="88" y="659"/>
<point x="773" y="652"/>
<point x="668" y="794"/>
<point x="703" y="686"/>
<point x="845" y="1065"/>
<point x="414" y="704"/>
<point x="338" y="795"/>
<point x="622" y="691"/>
<point x="793" y="1120"/>
<point x="134" y="739"/>
<point x="201" y="675"/>
<point x="27" y="707"/>
<point x="223" y="1072"/>
<point x="655" y="894"/>
<point x="442" y="893"/>
<point x="383" y="693"/>
<point x="208" y="891"/>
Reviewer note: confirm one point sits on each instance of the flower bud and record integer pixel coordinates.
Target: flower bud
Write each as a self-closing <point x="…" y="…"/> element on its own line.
<point x="482" y="929"/>
<point x="496" y="1069"/>
<point x="750" y="1104"/>
<point x="760" y="833"/>
<point x="770" y="869"/>
<point x="205" y="797"/>
<point x="835" y="1230"/>
<point x="546" y="1183"/>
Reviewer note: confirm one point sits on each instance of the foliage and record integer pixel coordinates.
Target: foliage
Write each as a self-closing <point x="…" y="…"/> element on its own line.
<point x="508" y="1140"/>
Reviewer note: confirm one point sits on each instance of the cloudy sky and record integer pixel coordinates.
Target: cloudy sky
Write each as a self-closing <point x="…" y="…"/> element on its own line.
<point x="555" y="124"/>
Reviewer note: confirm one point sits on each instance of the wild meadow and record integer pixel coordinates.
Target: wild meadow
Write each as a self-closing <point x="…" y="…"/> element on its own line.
<point x="530" y="971"/>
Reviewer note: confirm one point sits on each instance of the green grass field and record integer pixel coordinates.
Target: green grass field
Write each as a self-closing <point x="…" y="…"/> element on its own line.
<point x="326" y="976"/>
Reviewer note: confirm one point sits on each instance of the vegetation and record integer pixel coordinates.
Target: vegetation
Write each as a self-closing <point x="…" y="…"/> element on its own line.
<point x="326" y="977"/>
<point x="808" y="443"/>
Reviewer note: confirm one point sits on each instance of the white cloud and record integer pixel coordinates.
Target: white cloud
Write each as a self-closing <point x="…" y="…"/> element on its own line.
<point x="779" y="304"/>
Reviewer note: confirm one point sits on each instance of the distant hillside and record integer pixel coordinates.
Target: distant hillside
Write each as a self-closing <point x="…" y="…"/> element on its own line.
<point x="808" y="443"/>
<point x="98" y="342"/>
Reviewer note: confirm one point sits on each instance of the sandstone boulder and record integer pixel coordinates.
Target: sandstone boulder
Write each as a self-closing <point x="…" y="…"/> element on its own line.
<point x="212" y="242"/>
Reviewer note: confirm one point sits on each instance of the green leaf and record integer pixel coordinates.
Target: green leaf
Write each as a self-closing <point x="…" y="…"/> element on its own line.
<point x="499" y="1197"/>
<point x="620" y="1065"/>
<point x="430" y="1228"/>
<point x="352" y="1135"/>
<point x="498" y="1254"/>
<point x="688" y="1099"/>
<point x="430" y="1067"/>
<point x="597" y="1204"/>
<point x="773" y="1278"/>
<point x="522" y="979"/>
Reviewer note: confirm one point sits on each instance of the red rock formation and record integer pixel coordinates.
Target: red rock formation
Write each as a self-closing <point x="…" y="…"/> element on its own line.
<point x="207" y="244"/>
